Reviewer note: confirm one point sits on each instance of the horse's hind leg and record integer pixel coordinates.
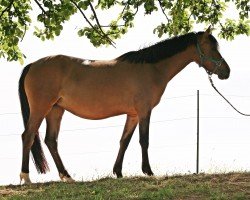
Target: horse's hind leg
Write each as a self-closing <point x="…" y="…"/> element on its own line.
<point x="128" y="131"/>
<point x="144" y="141"/>
<point x="28" y="137"/>
<point x="53" y="120"/>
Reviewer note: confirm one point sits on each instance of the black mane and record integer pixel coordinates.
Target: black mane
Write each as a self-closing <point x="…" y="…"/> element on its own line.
<point x="163" y="49"/>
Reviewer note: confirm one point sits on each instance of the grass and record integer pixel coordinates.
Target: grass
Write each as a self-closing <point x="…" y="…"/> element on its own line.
<point x="235" y="186"/>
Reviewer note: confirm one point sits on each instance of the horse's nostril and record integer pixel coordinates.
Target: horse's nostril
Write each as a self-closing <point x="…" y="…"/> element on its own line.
<point x="226" y="75"/>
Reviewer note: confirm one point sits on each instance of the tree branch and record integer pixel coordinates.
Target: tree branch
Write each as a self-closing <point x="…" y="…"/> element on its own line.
<point x="7" y="8"/>
<point x="87" y="20"/>
<point x="39" y="5"/>
<point x="108" y="26"/>
<point x="22" y="20"/>
<point x="98" y="24"/>
<point x="25" y="29"/>
<point x="43" y="12"/>
<point x="83" y="14"/>
<point x="137" y="8"/>
<point x="123" y="10"/>
<point x="163" y="11"/>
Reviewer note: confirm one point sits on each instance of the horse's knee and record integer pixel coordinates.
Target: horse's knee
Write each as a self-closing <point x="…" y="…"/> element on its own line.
<point x="125" y="141"/>
<point x="51" y="143"/>
<point x="144" y="143"/>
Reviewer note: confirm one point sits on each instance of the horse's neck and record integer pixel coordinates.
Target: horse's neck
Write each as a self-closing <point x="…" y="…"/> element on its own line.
<point x="170" y="67"/>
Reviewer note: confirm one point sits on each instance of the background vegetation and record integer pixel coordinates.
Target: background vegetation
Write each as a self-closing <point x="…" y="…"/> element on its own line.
<point x="179" y="17"/>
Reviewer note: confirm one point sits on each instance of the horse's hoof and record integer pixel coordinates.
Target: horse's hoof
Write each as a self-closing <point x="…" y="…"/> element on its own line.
<point x="25" y="177"/>
<point x="66" y="179"/>
<point x="118" y="174"/>
<point x="148" y="171"/>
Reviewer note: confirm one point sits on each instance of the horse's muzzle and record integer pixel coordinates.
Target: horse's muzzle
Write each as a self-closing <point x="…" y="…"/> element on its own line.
<point x="224" y="75"/>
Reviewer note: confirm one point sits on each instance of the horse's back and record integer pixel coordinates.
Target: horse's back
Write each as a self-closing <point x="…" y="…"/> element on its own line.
<point x="54" y="71"/>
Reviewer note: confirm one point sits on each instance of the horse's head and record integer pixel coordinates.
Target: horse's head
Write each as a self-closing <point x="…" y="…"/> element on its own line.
<point x="209" y="56"/>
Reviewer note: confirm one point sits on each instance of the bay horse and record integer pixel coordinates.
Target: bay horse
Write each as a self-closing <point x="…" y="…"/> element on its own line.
<point x="131" y="84"/>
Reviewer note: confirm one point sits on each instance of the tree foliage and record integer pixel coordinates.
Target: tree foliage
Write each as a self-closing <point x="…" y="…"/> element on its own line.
<point x="180" y="16"/>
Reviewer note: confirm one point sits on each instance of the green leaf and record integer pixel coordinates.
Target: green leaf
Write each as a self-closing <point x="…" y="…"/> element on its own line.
<point x="179" y="18"/>
<point x="83" y="4"/>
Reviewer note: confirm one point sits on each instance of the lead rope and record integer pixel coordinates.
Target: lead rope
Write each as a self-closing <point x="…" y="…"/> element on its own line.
<point x="212" y="83"/>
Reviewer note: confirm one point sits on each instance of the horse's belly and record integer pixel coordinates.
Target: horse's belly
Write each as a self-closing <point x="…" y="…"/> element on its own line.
<point x="94" y="109"/>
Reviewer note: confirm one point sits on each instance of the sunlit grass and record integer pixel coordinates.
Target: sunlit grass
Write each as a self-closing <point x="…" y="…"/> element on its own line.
<point x="203" y="186"/>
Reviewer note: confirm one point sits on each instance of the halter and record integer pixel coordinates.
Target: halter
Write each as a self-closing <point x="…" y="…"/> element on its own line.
<point x="218" y="63"/>
<point x="203" y="57"/>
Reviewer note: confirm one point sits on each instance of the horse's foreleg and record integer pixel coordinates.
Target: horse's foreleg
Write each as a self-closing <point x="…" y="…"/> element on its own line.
<point x="53" y="120"/>
<point x="144" y="142"/>
<point x="128" y="131"/>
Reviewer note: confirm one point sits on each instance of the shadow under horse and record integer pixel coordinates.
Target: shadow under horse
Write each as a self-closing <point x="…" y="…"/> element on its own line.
<point x="131" y="84"/>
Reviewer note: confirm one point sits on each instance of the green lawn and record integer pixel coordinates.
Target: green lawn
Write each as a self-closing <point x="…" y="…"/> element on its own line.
<point x="216" y="186"/>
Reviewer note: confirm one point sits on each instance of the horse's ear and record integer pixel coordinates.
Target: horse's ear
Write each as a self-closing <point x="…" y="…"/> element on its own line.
<point x="208" y="31"/>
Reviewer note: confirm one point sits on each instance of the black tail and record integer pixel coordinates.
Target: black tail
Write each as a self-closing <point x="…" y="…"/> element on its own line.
<point x="36" y="149"/>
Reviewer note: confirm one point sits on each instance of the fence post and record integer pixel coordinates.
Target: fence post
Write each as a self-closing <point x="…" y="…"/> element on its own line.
<point x="198" y="132"/>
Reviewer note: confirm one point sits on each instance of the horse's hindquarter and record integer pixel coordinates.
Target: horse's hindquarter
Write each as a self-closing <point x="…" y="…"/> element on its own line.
<point x="43" y="83"/>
